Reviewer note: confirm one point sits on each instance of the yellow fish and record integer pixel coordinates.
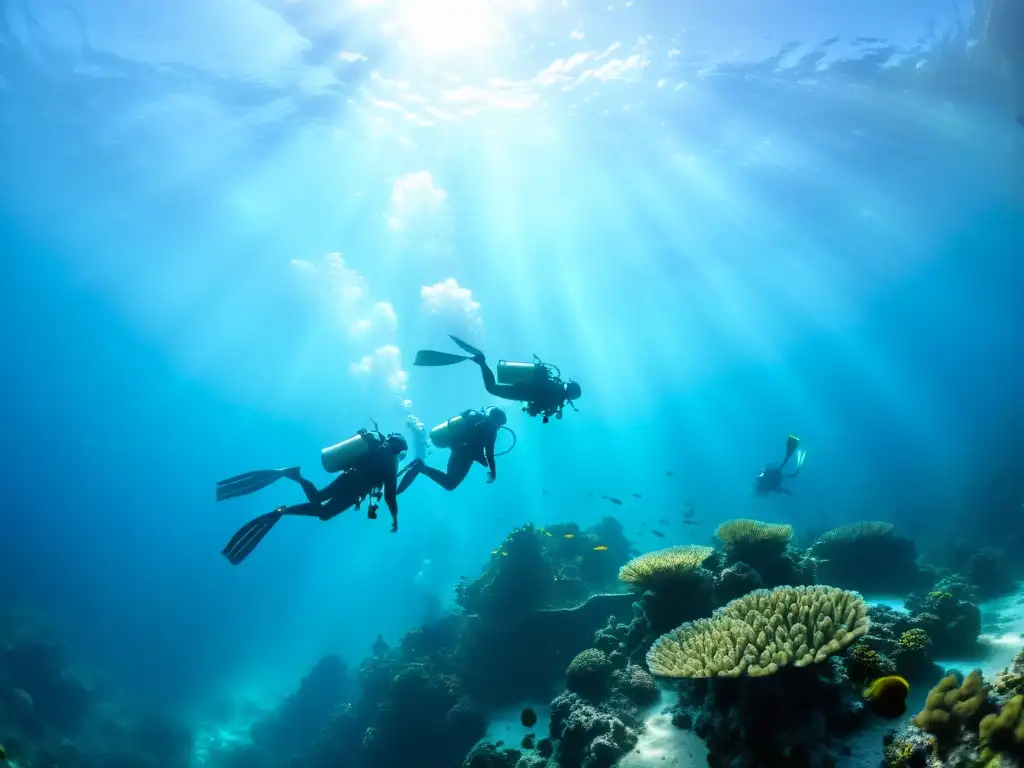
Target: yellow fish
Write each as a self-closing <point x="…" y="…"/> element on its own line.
<point x="888" y="696"/>
<point x="495" y="551"/>
<point x="546" y="533"/>
<point x="504" y="554"/>
<point x="601" y="548"/>
<point x="570" y="536"/>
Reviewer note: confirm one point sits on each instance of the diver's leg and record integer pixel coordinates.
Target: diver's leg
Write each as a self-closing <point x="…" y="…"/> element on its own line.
<point x="337" y="497"/>
<point x="314" y="494"/>
<point x="459" y="464"/>
<point x="411" y="473"/>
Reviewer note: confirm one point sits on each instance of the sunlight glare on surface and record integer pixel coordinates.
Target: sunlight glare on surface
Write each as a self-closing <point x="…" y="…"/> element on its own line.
<point x="442" y="28"/>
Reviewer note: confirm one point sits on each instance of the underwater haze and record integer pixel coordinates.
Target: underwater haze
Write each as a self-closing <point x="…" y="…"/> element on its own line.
<point x="228" y="227"/>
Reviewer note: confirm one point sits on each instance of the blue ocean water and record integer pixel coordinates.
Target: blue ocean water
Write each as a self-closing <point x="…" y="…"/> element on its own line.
<point x="227" y="228"/>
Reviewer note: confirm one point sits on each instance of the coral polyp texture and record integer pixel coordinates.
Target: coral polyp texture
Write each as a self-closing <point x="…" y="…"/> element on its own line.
<point x="760" y="633"/>
<point x="738" y="534"/>
<point x="664" y="567"/>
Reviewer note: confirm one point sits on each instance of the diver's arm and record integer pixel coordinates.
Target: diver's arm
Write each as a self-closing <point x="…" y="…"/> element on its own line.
<point x="489" y="455"/>
<point x="391" y="497"/>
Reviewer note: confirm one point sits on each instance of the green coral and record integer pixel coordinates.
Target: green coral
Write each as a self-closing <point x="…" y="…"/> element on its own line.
<point x="743" y="534"/>
<point x="759" y="633"/>
<point x="665" y="568"/>
<point x="913" y="653"/>
<point x="952" y="705"/>
<point x="1003" y="731"/>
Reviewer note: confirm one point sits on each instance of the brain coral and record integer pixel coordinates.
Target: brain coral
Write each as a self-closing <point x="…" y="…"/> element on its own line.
<point x="665" y="566"/>
<point x="761" y="632"/>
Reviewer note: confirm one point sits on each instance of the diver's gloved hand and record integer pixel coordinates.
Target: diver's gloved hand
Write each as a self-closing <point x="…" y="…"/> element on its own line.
<point x="490" y="478"/>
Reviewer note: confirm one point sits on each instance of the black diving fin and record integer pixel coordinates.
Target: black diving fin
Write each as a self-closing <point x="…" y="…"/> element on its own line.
<point x="473" y="351"/>
<point x="249" y="536"/>
<point x="792" y="443"/>
<point x="431" y="359"/>
<point x="249" y="482"/>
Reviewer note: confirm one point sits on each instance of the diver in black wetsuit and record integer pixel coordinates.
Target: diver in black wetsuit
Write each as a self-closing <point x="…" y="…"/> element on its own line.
<point x="372" y="473"/>
<point x="536" y="384"/>
<point x="473" y="443"/>
<point x="769" y="479"/>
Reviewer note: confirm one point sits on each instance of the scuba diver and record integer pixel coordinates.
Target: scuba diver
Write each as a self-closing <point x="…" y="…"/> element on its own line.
<point x="538" y="384"/>
<point x="471" y="437"/>
<point x="368" y="463"/>
<point x="769" y="479"/>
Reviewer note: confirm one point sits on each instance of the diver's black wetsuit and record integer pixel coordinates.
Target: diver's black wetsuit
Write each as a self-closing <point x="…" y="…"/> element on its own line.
<point x="378" y="469"/>
<point x="545" y="396"/>
<point x="478" y="448"/>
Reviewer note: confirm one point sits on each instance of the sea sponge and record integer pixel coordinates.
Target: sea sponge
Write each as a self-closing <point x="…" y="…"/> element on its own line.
<point x="664" y="567"/>
<point x="738" y="535"/>
<point x="759" y="633"/>
<point x="952" y="704"/>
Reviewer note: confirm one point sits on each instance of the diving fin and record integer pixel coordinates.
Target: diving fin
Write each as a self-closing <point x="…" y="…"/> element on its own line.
<point x="792" y="443"/>
<point x="432" y="359"/>
<point x="250" y="535"/>
<point x="249" y="482"/>
<point x="473" y="351"/>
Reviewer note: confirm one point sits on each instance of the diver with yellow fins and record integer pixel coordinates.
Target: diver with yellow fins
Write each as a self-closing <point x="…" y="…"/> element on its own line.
<point x="368" y="463"/>
<point x="471" y="436"/>
<point x="538" y="384"/>
<point x="769" y="479"/>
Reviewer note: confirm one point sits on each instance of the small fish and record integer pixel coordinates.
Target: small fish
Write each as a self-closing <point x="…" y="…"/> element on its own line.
<point x="690" y="512"/>
<point x="663" y="521"/>
<point x="504" y="554"/>
<point x="569" y="536"/>
<point x="600" y="548"/>
<point x="888" y="696"/>
<point x="637" y="495"/>
<point x="613" y="500"/>
<point x="659" y="534"/>
<point x="544" y="492"/>
<point x="545" y="531"/>
<point x="495" y="551"/>
<point x="669" y="473"/>
<point x="691" y="522"/>
<point x="528" y="718"/>
<point x="590" y="494"/>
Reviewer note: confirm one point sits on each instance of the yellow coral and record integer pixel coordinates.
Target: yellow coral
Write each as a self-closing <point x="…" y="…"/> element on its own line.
<point x="1003" y="731"/>
<point x="664" y="566"/>
<point x="951" y="704"/>
<point x="737" y="533"/>
<point x="761" y="632"/>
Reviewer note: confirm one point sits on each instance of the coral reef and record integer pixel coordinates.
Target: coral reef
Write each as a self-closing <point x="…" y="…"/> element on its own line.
<point x="868" y="556"/>
<point x="300" y="718"/>
<point x="537" y="568"/>
<point x="765" y="548"/>
<point x="991" y="574"/>
<point x="761" y="632"/>
<point x="794" y="717"/>
<point x="52" y="714"/>
<point x="675" y="586"/>
<point x="951" y="622"/>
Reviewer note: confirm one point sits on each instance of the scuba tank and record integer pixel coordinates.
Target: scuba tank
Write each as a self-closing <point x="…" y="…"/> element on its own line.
<point x="520" y="373"/>
<point x="346" y="454"/>
<point x="453" y="431"/>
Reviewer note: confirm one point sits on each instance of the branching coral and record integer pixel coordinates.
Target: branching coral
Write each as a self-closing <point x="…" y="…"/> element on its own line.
<point x="762" y="632"/>
<point x="664" y="568"/>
